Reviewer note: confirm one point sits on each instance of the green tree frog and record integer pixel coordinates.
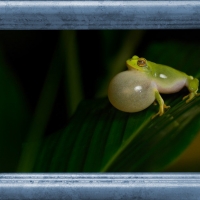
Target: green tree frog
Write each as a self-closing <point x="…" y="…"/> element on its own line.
<point x="138" y="87"/>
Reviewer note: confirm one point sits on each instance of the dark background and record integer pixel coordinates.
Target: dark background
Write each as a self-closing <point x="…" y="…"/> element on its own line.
<point x="29" y="55"/>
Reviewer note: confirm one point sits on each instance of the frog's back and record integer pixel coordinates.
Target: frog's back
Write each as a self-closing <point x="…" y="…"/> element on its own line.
<point x="167" y="79"/>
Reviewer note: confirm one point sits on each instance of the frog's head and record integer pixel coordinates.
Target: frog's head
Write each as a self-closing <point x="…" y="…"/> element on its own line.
<point x="137" y="63"/>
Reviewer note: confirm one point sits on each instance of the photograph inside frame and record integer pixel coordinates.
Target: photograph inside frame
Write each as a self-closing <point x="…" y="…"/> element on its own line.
<point x="118" y="96"/>
<point x="61" y="111"/>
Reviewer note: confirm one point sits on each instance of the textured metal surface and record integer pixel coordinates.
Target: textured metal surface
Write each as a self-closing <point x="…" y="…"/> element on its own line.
<point x="99" y="14"/>
<point x="149" y="186"/>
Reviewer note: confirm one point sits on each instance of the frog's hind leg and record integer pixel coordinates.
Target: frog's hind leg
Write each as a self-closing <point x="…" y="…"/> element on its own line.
<point x="192" y="85"/>
<point x="161" y="103"/>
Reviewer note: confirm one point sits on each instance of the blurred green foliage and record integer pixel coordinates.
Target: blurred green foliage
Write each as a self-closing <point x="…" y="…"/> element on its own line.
<point x="46" y="74"/>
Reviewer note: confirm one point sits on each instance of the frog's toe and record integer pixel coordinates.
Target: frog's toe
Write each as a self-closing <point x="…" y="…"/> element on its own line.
<point x="166" y="107"/>
<point x="156" y="115"/>
<point x="185" y="97"/>
<point x="161" y="111"/>
<point x="190" y="96"/>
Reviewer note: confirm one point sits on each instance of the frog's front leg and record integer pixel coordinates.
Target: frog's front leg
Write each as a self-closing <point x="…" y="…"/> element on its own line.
<point x="161" y="103"/>
<point x="192" y="85"/>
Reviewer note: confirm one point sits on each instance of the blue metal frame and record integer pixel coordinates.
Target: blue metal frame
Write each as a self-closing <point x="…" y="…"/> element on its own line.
<point x="99" y="15"/>
<point x="52" y="15"/>
<point x="157" y="186"/>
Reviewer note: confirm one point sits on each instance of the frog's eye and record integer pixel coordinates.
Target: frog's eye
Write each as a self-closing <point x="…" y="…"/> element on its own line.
<point x="141" y="62"/>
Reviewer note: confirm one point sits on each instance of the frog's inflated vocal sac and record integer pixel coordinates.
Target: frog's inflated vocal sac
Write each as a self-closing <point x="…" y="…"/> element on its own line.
<point x="138" y="87"/>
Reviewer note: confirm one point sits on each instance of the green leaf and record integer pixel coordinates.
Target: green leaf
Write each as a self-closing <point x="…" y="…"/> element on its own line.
<point x="101" y="138"/>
